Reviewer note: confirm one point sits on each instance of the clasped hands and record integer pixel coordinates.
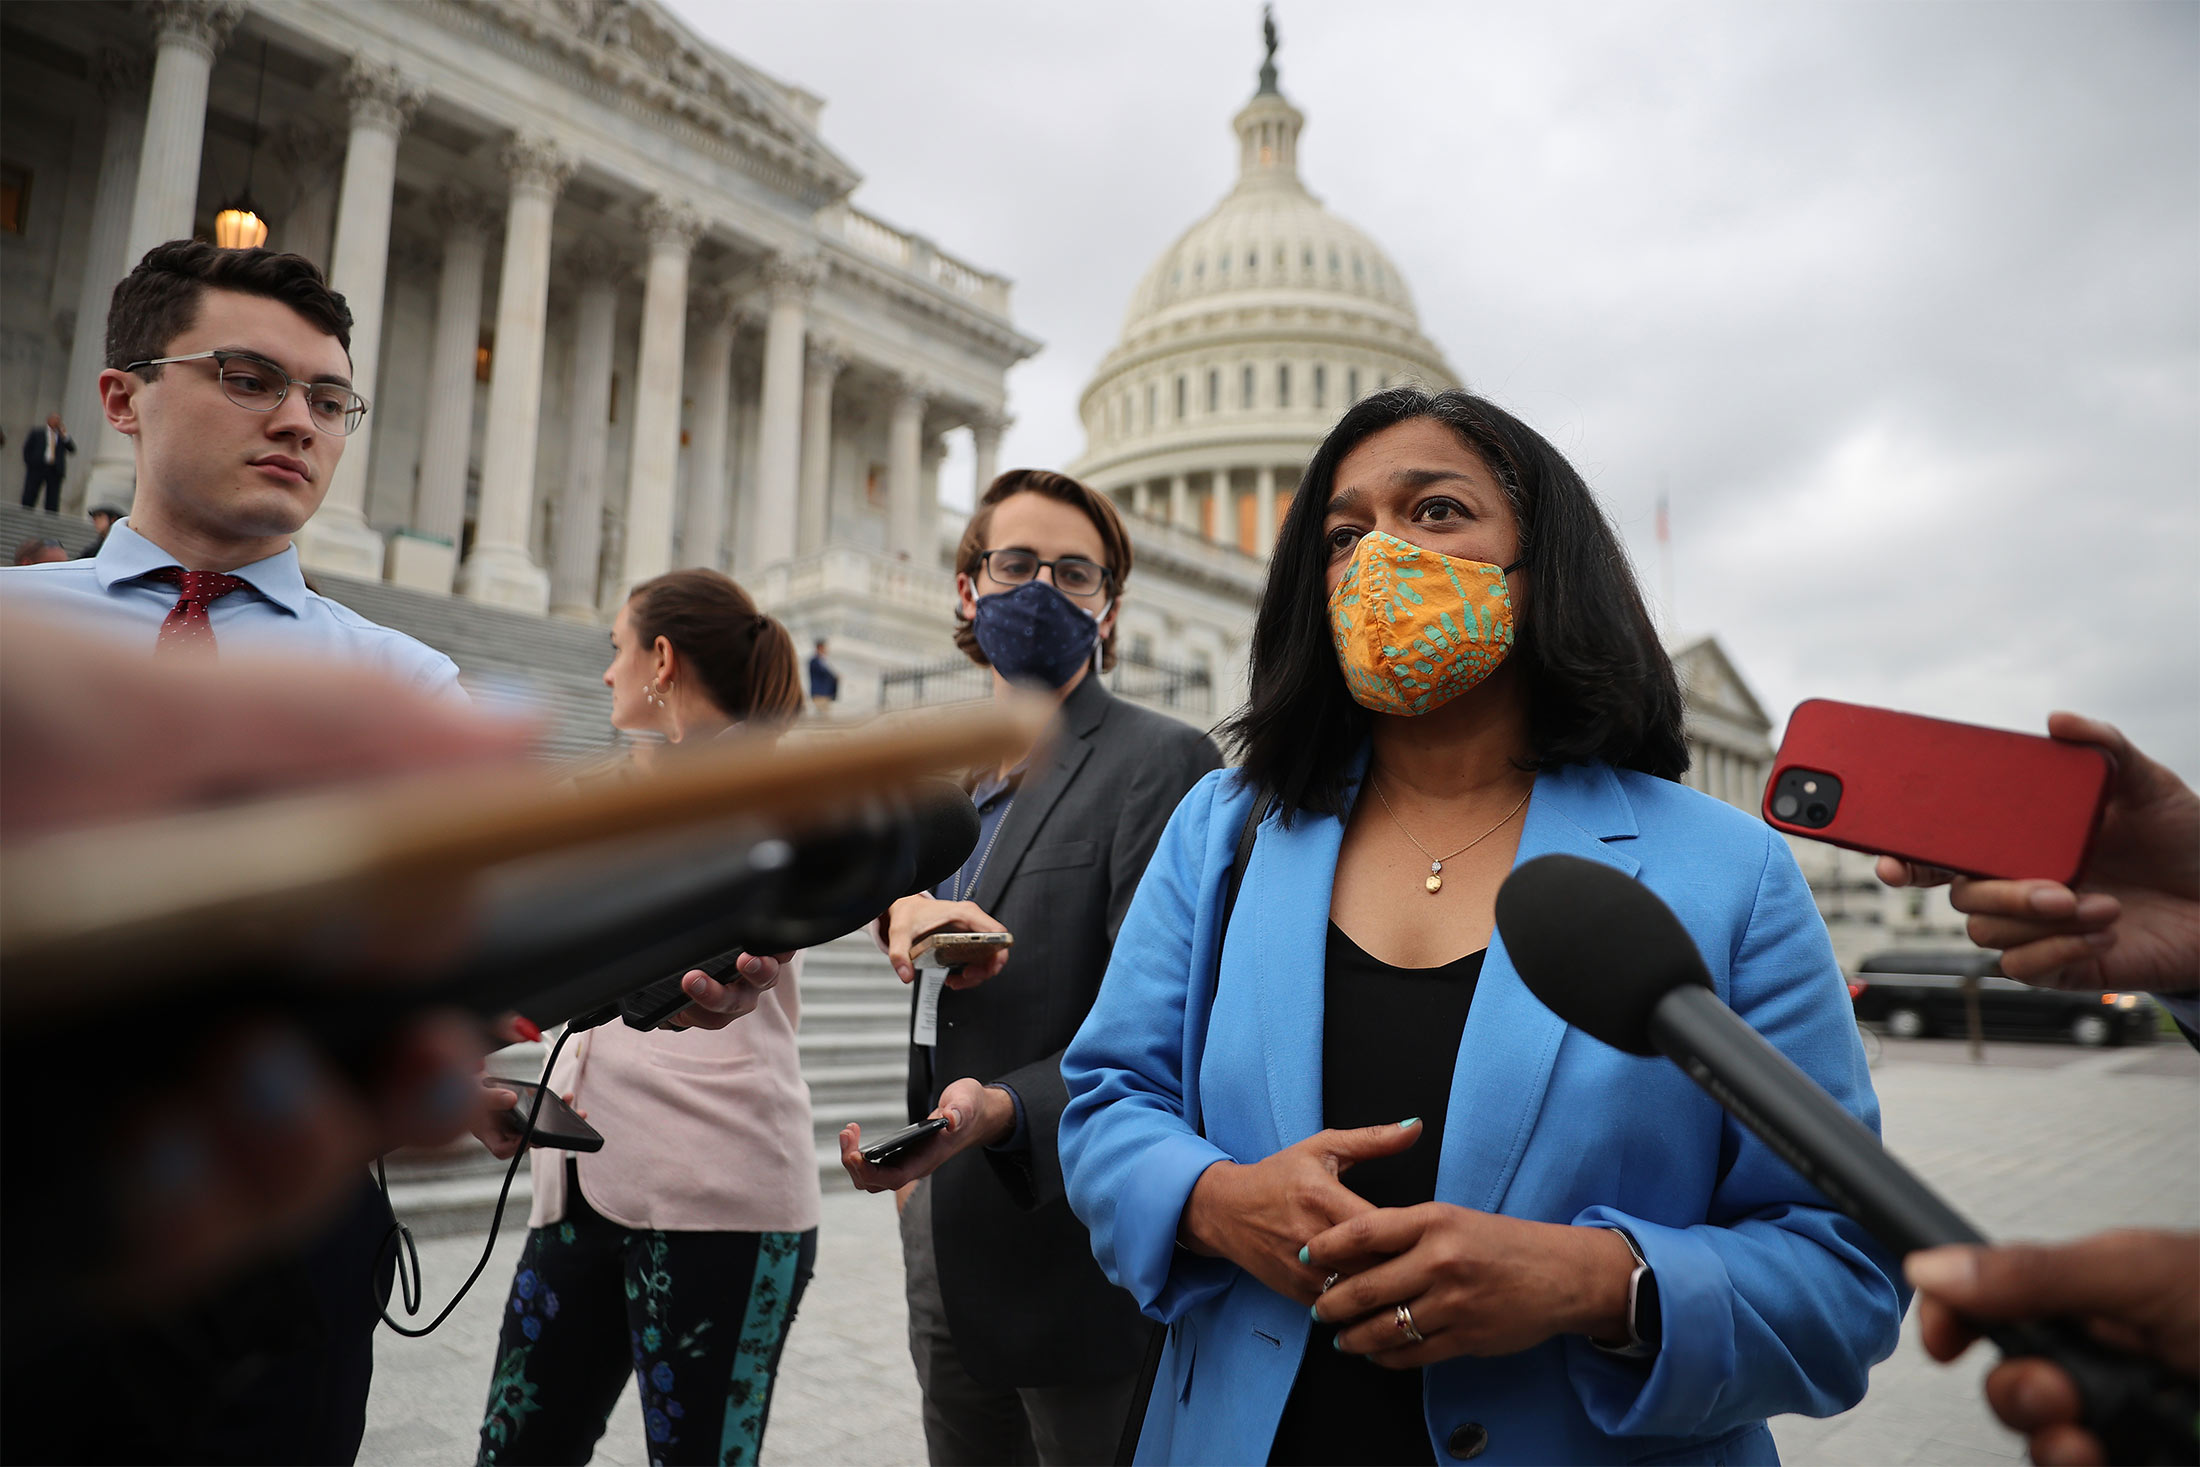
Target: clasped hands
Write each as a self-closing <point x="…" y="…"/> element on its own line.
<point x="1476" y="1283"/>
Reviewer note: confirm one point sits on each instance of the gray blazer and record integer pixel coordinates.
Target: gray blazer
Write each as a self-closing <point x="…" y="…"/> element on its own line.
<point x="1025" y="1301"/>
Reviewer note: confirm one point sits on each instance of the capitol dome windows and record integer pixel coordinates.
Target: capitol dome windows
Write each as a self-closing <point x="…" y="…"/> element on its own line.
<point x="1352" y="384"/>
<point x="1151" y="419"/>
<point x="1283" y="385"/>
<point x="1214" y="390"/>
<point x="1321" y="387"/>
<point x="1180" y="392"/>
<point x="1247" y="404"/>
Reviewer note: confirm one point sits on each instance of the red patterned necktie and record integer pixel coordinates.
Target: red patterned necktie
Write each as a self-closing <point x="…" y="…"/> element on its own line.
<point x="187" y="628"/>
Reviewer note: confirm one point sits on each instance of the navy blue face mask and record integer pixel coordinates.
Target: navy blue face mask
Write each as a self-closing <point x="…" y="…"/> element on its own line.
<point x="1035" y="634"/>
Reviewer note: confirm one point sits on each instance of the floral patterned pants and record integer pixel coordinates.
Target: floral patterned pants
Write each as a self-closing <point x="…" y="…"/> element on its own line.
<point x="699" y="1318"/>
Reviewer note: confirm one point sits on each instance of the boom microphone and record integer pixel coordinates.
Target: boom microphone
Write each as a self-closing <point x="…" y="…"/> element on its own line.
<point x="1632" y="977"/>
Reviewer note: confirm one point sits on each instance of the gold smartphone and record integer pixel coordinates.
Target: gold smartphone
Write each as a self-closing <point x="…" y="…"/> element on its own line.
<point x="947" y="949"/>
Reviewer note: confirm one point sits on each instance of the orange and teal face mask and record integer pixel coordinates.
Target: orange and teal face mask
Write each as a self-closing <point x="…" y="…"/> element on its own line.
<point x="1416" y="628"/>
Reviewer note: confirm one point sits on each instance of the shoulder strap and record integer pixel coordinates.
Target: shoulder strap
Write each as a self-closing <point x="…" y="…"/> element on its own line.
<point x="1238" y="863"/>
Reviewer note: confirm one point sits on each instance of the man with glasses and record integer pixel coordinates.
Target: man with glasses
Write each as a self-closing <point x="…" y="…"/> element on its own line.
<point x="231" y="371"/>
<point x="1023" y="1349"/>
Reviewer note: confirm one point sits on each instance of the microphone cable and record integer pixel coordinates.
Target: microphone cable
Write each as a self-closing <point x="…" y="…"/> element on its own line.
<point x="409" y="1280"/>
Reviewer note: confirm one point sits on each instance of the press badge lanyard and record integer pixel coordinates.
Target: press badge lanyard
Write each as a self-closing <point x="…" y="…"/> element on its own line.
<point x="931" y="982"/>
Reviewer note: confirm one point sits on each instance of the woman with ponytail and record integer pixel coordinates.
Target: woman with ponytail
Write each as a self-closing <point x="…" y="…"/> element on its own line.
<point x="680" y="1251"/>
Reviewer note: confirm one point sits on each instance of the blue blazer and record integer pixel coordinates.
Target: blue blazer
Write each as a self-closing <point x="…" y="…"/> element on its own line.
<point x="1772" y="1302"/>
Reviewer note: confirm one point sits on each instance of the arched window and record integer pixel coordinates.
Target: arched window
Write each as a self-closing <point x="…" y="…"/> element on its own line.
<point x="1149" y="405"/>
<point x="1359" y="273"/>
<point x="1248" y="403"/>
<point x="1334" y="265"/>
<point x="1308" y="261"/>
<point x="1252" y="259"/>
<point x="1222" y="265"/>
<point x="1283" y="385"/>
<point x="1352" y="384"/>
<point x="1214" y="390"/>
<point x="1321" y="386"/>
<point x="1180" y="389"/>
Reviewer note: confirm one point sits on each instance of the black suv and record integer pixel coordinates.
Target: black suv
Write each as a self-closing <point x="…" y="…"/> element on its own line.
<point x="1913" y="995"/>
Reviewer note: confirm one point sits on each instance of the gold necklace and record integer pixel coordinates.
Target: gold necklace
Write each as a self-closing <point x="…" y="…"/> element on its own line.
<point x="1435" y="882"/>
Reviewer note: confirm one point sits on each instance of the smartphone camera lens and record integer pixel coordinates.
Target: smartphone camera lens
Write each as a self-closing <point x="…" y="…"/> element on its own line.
<point x="1784" y="806"/>
<point x="1807" y="797"/>
<point x="1816" y="814"/>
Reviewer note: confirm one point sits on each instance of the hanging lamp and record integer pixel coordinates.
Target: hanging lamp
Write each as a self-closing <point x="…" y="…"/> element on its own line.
<point x="238" y="225"/>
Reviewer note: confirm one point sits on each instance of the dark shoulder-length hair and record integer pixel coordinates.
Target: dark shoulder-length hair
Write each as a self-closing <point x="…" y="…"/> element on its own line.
<point x="1598" y="681"/>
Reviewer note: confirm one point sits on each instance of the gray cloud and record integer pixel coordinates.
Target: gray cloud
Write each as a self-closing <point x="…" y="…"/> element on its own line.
<point x="1899" y="304"/>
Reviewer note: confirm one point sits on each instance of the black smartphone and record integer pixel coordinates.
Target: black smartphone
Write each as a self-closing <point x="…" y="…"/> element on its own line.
<point x="879" y="1153"/>
<point x="558" y="1126"/>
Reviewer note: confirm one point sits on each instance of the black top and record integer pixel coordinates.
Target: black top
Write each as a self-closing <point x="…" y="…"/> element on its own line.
<point x="1390" y="1042"/>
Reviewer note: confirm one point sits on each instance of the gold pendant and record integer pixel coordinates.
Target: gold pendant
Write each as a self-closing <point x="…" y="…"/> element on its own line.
<point x="1435" y="882"/>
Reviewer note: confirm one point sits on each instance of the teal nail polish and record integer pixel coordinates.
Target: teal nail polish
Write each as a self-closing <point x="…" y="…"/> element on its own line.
<point x="1409" y="1121"/>
<point x="1303" y="1258"/>
<point x="1336" y="1342"/>
<point x="1316" y="1311"/>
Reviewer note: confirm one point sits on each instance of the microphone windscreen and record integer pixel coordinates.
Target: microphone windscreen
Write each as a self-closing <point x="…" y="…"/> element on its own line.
<point x="1596" y="946"/>
<point x="946" y="828"/>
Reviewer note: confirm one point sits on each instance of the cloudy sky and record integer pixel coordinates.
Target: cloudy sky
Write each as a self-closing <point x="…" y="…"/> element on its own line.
<point x="1899" y="304"/>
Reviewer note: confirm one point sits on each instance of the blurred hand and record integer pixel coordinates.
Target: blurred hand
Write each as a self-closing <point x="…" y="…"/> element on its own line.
<point x="919" y="916"/>
<point x="2139" y="1290"/>
<point x="1260" y="1216"/>
<point x="1476" y="1283"/>
<point x="719" y="1004"/>
<point x="977" y="1115"/>
<point x="261" y="1138"/>
<point x="2133" y="921"/>
<point x="261" y="1135"/>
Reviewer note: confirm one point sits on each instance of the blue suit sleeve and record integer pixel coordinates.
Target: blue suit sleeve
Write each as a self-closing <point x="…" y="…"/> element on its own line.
<point x="1130" y="1153"/>
<point x="1776" y="1302"/>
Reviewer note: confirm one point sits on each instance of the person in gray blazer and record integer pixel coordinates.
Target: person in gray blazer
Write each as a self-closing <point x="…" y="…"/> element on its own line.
<point x="1024" y="1351"/>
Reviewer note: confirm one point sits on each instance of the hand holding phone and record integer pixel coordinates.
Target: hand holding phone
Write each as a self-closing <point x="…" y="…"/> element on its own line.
<point x="557" y="1125"/>
<point x="950" y="949"/>
<point x="889" y="1150"/>
<point x="2131" y="920"/>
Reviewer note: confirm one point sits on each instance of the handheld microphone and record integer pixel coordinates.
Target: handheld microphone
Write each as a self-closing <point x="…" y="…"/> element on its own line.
<point x="1632" y="977"/>
<point x="942" y="826"/>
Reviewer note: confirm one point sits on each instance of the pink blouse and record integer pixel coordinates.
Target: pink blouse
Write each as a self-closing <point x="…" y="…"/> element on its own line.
<point x="704" y="1130"/>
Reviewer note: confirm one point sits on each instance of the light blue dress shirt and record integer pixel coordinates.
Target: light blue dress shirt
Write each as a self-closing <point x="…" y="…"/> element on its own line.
<point x="275" y="615"/>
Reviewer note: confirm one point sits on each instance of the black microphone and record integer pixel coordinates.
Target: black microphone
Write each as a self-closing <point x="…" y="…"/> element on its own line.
<point x="942" y="829"/>
<point x="1602" y="952"/>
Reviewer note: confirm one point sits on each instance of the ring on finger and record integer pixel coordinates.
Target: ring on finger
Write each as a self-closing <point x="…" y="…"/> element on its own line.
<point x="1330" y="1282"/>
<point x="1404" y="1320"/>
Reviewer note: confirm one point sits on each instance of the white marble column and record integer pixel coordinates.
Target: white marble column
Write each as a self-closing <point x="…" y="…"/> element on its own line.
<point x="165" y="194"/>
<point x="709" y="490"/>
<point x="188" y="33"/>
<point x="1180" y="501"/>
<point x="928" y="500"/>
<point x="594" y="271"/>
<point x="815" y="517"/>
<point x="338" y="538"/>
<point x="310" y="151"/>
<point x="1264" y="509"/>
<point x="426" y="559"/>
<point x="1142" y="498"/>
<point x="748" y="392"/>
<point x="985" y="443"/>
<point x="779" y="431"/>
<point x="500" y="571"/>
<point x="653" y="466"/>
<point x="122" y="80"/>
<point x="904" y="464"/>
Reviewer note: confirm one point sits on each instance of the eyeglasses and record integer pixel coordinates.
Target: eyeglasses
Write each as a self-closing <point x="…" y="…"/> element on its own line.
<point x="257" y="384"/>
<point x="1073" y="574"/>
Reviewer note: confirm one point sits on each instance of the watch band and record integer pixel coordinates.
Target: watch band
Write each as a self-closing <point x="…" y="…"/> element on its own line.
<point x="1643" y="1321"/>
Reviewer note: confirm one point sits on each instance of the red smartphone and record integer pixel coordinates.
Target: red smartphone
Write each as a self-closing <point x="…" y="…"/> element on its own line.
<point x="1980" y="801"/>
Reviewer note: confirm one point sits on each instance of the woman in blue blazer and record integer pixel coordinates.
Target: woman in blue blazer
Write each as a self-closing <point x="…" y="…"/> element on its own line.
<point x="1390" y="1207"/>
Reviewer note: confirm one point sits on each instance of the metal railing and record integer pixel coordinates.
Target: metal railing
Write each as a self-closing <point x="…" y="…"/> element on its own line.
<point x="1174" y="686"/>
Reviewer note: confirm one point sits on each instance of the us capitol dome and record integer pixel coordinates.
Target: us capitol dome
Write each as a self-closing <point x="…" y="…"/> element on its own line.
<point x="1243" y="345"/>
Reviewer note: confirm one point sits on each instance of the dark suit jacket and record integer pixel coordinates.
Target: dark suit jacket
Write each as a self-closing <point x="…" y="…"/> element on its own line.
<point x="1025" y="1301"/>
<point x="34" y="452"/>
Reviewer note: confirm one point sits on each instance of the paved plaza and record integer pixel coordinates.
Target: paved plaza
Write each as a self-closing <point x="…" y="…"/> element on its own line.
<point x="2043" y="1141"/>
